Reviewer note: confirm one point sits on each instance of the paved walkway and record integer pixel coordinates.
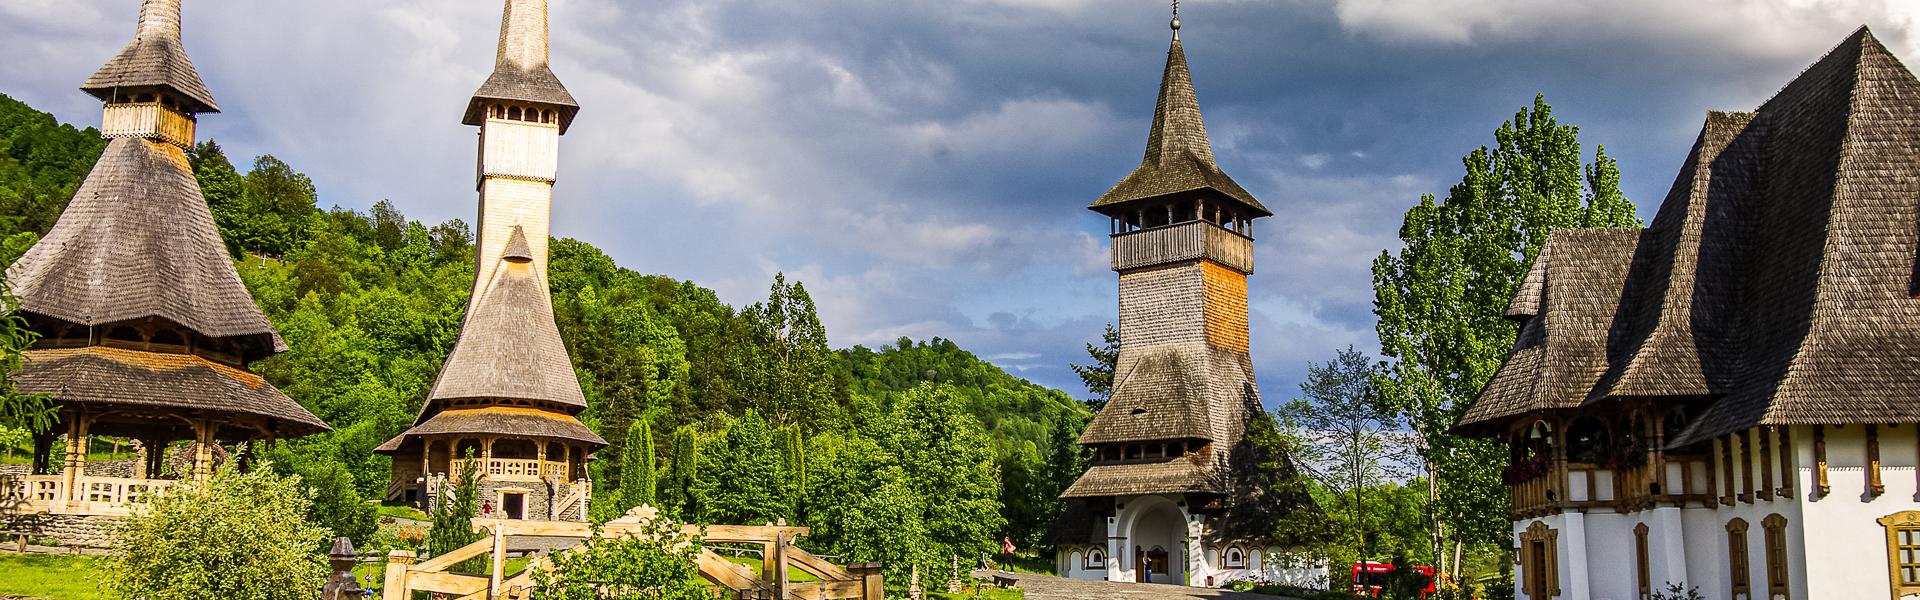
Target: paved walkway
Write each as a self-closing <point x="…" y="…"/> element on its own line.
<point x="1045" y="587"/>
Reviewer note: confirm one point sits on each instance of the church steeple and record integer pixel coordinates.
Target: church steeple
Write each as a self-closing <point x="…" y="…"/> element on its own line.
<point x="521" y="78"/>
<point x="1178" y="167"/>
<point x="154" y="66"/>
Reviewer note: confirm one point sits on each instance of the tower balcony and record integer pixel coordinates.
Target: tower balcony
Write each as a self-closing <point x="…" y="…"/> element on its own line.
<point x="1181" y="242"/>
<point x="519" y="149"/>
<point x="149" y="120"/>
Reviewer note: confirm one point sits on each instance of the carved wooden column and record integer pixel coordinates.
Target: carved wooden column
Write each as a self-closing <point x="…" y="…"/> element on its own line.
<point x="76" y="463"/>
<point x="203" y="441"/>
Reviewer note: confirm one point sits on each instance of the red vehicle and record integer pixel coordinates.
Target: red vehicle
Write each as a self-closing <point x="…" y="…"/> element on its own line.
<point x="1370" y="577"/>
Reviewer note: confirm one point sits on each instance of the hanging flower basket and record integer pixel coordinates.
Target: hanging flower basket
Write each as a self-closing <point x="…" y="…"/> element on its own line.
<point x="1525" y="470"/>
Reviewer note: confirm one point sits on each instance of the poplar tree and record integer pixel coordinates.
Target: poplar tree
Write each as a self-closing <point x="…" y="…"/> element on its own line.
<point x="1441" y="300"/>
<point x="676" y="489"/>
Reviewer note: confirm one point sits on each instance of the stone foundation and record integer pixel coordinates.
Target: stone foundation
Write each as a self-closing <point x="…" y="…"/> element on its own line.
<point x="537" y="497"/>
<point x="66" y="530"/>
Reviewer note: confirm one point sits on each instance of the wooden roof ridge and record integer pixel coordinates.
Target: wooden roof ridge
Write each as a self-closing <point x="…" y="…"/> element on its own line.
<point x="1679" y="336"/>
<point x="136" y="241"/>
<point x="1844" y="340"/>
<point x="521" y="72"/>
<point x="1179" y="157"/>
<point x="154" y="59"/>
<point x="509" y="346"/>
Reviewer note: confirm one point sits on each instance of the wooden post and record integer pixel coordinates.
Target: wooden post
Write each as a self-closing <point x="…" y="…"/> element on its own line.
<point x="1787" y="472"/>
<point x="780" y="586"/>
<point x="76" y="456"/>
<point x="1820" y="461"/>
<point x="203" y="451"/>
<point x="499" y="562"/>
<point x="1874" y="486"/>
<point x="1766" y="463"/>
<point x="395" y="586"/>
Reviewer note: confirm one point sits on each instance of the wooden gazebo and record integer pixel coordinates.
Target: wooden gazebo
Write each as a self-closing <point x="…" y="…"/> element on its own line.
<point x="145" y="328"/>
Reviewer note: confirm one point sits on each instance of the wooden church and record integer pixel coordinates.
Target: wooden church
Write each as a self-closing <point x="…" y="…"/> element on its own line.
<point x="1729" y="399"/>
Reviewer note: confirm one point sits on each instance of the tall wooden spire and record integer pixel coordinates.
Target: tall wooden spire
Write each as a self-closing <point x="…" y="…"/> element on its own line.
<point x="1179" y="158"/>
<point x="521" y="75"/>
<point x="154" y="64"/>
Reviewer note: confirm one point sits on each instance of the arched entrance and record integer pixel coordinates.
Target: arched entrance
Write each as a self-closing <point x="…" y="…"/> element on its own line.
<point x="1157" y="543"/>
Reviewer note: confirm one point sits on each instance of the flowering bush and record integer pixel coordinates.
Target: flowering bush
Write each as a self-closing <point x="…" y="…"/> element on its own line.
<point x="1525" y="470"/>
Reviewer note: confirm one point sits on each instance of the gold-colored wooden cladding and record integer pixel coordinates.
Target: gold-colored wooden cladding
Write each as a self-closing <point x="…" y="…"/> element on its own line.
<point x="1643" y="568"/>
<point x="148" y="120"/>
<point x="1820" y="460"/>
<point x="1182" y="242"/>
<point x="1875" y="486"/>
<point x="1226" y="301"/>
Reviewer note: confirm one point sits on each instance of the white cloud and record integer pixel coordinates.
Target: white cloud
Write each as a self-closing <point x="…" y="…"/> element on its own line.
<point x="1762" y="28"/>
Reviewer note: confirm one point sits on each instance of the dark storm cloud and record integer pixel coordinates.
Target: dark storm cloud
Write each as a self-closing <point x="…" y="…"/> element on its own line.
<point x="923" y="165"/>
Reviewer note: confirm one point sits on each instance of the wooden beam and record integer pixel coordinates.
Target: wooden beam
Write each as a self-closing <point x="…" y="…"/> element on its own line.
<point x="445" y="561"/>
<point x="446" y="583"/>
<point x="814" y="590"/>
<point x="727" y="573"/>
<point x="814" y="565"/>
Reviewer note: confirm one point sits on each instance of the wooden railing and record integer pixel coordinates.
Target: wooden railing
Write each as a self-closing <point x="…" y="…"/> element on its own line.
<point x="1181" y="242"/>
<point x="91" y="495"/>
<point x="512" y="469"/>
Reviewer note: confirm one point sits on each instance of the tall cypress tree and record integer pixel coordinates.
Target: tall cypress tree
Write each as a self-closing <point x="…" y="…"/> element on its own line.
<point x="637" y="467"/>
<point x="676" y="489"/>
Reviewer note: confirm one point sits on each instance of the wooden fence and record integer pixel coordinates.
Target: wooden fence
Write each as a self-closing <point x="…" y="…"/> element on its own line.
<point x="731" y="580"/>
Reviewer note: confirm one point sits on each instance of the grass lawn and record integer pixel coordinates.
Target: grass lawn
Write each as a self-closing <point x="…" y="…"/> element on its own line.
<point x="403" y="512"/>
<point x="981" y="594"/>
<point x="50" y="577"/>
<point x="752" y="563"/>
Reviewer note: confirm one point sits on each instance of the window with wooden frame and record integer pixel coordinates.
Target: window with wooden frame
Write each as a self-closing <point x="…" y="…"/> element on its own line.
<point x="1903" y="551"/>
<point x="1643" y="568"/>
<point x="1776" y="538"/>
<point x="1540" y="557"/>
<point x="1739" y="571"/>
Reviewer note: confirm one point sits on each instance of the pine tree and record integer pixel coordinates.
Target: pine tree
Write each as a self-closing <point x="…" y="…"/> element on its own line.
<point x="453" y="515"/>
<point x="637" y="472"/>
<point x="1098" y="375"/>
<point x="743" y="480"/>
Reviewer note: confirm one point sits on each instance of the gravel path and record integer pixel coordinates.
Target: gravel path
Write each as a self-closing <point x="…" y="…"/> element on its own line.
<point x="1045" y="587"/>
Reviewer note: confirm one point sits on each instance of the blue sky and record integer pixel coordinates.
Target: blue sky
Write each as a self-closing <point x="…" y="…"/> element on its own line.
<point x="923" y="165"/>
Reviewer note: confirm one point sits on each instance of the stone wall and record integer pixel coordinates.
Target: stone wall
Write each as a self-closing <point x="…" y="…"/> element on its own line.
<point x="66" y="530"/>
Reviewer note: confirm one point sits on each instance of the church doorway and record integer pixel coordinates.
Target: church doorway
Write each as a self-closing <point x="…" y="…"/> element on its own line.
<point x="1159" y="536"/>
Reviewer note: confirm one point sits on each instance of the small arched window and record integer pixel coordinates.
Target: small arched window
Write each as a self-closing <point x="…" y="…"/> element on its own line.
<point x="1096" y="558"/>
<point x="1236" y="558"/>
<point x="513" y="113"/>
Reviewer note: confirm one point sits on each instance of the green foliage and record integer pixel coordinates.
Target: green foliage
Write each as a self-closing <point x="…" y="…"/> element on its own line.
<point x="240" y="535"/>
<point x="797" y="379"/>
<point x="741" y="477"/>
<point x="656" y="563"/>
<point x="1677" y="591"/>
<point x="58" y="576"/>
<point x="1346" y="440"/>
<point x="922" y="490"/>
<point x="41" y="164"/>
<point x="1441" y="299"/>
<point x="453" y="514"/>
<point x="337" y="503"/>
<point x="1098" y="375"/>
<point x="637" y="466"/>
<point x="676" y="488"/>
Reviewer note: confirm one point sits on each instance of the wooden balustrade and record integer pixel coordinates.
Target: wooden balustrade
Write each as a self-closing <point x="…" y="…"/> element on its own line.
<point x="1182" y="242"/>
<point x="90" y="495"/>
<point x="512" y="469"/>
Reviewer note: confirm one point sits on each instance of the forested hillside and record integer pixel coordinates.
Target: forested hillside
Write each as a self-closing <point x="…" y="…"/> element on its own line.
<point x="907" y="453"/>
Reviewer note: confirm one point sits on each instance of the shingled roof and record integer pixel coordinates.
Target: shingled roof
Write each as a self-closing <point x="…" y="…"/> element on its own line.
<point x="1179" y="158"/>
<point x="520" y="72"/>
<point x="1157" y="395"/>
<point x="136" y="241"/>
<point x="1575" y="287"/>
<point x="155" y="59"/>
<point x="509" y="346"/>
<point x="502" y="420"/>
<point x="1778" y="279"/>
<point x="133" y="378"/>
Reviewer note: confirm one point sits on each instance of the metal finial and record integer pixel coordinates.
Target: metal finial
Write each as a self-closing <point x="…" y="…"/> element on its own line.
<point x="1175" y="23"/>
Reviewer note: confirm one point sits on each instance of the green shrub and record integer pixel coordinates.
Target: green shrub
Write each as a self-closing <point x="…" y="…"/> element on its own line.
<point x="240" y="536"/>
<point x="657" y="563"/>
